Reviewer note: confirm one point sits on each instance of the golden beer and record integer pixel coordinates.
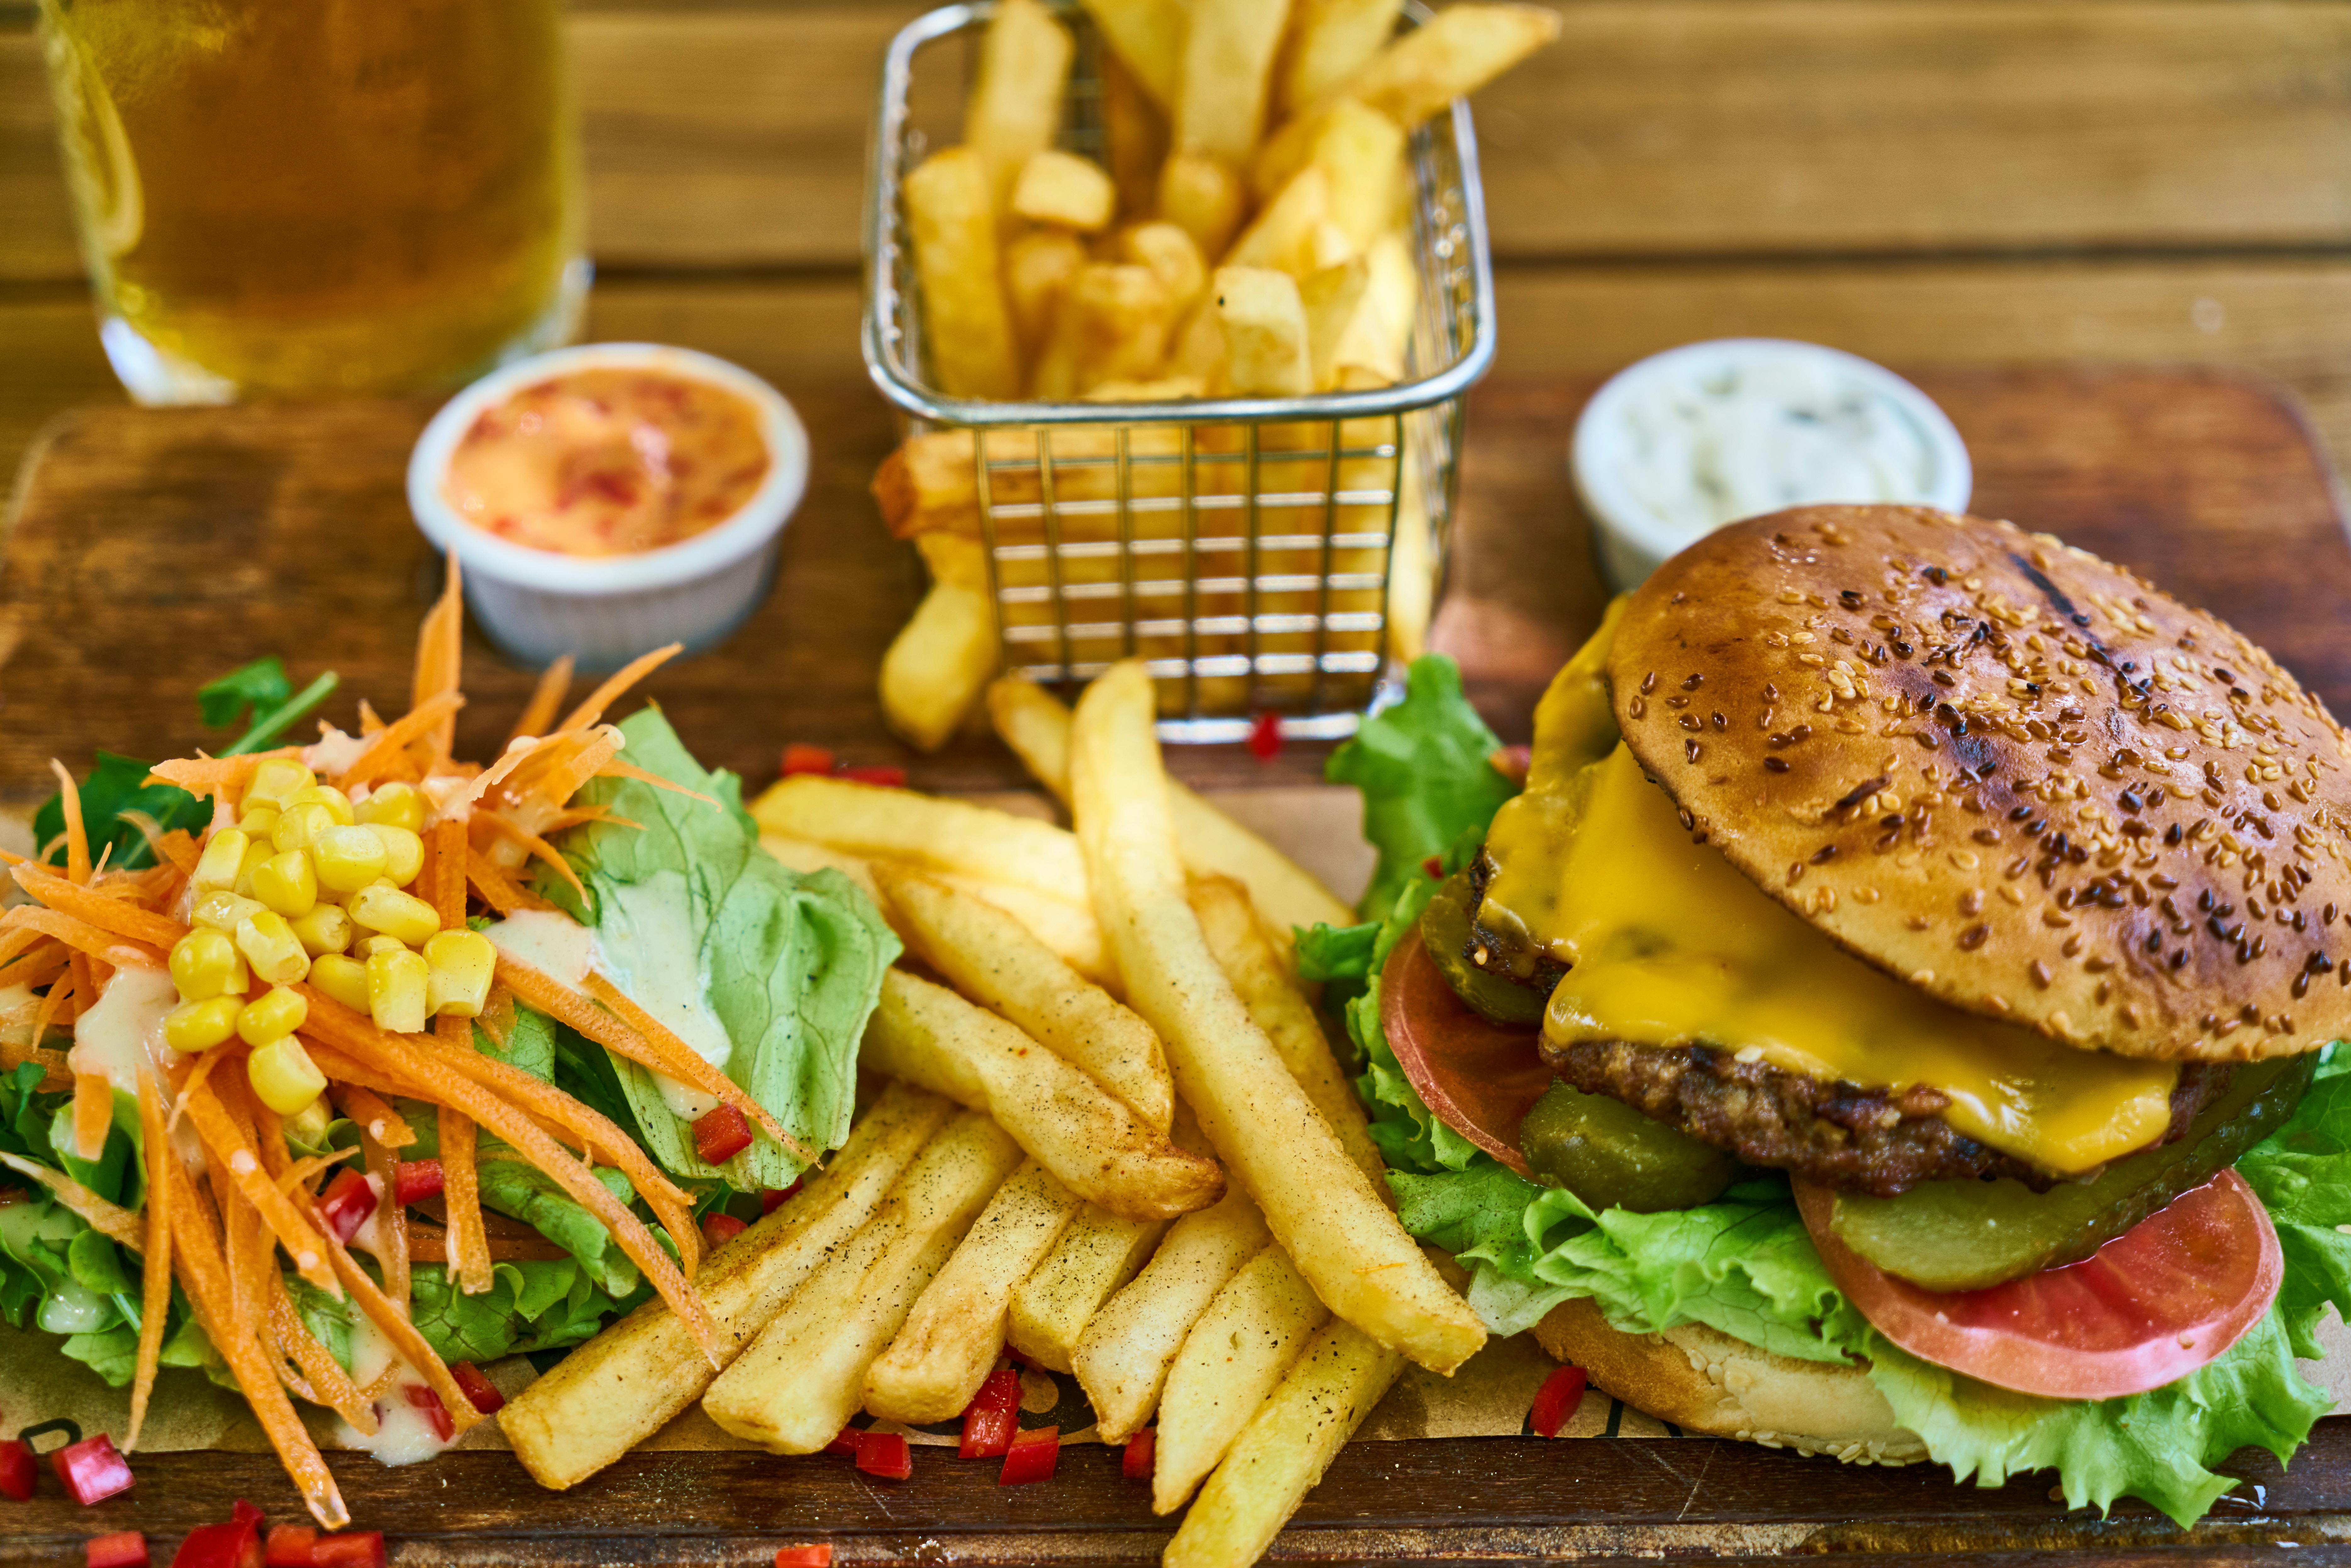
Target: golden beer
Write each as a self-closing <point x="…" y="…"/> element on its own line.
<point x="321" y="196"/>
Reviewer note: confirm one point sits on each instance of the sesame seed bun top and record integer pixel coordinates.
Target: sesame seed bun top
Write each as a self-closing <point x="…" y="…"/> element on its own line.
<point x="2017" y="775"/>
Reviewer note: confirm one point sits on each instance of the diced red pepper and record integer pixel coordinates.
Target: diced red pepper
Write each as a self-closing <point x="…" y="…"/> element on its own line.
<point x="416" y="1180"/>
<point x="1140" y="1450"/>
<point x="291" y="1546"/>
<point x="721" y="1134"/>
<point x="885" y="775"/>
<point x="362" y="1550"/>
<point x="236" y="1544"/>
<point x="719" y="1228"/>
<point x="799" y="758"/>
<point x="346" y="1204"/>
<point x="243" y="1512"/>
<point x="886" y="1455"/>
<point x="479" y="1391"/>
<point x="1265" y="737"/>
<point x="774" y="1198"/>
<point x="1556" y="1400"/>
<point x="91" y="1469"/>
<point x="845" y="1441"/>
<point x="1031" y="1457"/>
<point x="123" y="1549"/>
<point x="17" y="1471"/>
<point x="818" y="1556"/>
<point x="1512" y="762"/>
<point x="1434" y="865"/>
<point x="993" y="1417"/>
<point x="424" y="1398"/>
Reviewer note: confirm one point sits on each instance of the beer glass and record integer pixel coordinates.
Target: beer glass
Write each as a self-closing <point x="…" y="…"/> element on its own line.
<point x="319" y="198"/>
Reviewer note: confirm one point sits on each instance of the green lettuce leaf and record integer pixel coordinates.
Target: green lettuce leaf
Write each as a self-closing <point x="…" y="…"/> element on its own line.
<point x="1423" y="770"/>
<point x="790" y="966"/>
<point x="530" y="1306"/>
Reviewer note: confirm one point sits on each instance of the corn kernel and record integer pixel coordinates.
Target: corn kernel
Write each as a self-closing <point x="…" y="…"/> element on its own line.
<point x="287" y="883"/>
<point x="395" y="914"/>
<point x="199" y="1025"/>
<point x="275" y="780"/>
<point x="299" y="825"/>
<point x="345" y="979"/>
<point x="255" y="853"/>
<point x="396" y="984"/>
<point x="284" y="1076"/>
<point x="324" y="929"/>
<point x="461" y="964"/>
<point x="349" y="858"/>
<point x="393" y="805"/>
<point x="258" y="822"/>
<point x="223" y="855"/>
<point x="206" y="964"/>
<point x="338" y="804"/>
<point x="367" y="946"/>
<point x="222" y="910"/>
<point x="272" y="1015"/>
<point x="269" y="946"/>
<point x="404" y="853"/>
<point x="309" y="1126"/>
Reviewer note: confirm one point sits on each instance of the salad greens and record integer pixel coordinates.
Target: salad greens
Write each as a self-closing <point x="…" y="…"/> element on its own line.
<point x="1744" y="1263"/>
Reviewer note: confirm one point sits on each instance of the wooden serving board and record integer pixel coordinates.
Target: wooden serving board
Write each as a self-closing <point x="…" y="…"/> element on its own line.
<point x="152" y="549"/>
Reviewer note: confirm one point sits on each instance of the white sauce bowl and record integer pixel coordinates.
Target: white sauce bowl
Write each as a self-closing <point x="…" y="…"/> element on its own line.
<point x="604" y="611"/>
<point x="1684" y="442"/>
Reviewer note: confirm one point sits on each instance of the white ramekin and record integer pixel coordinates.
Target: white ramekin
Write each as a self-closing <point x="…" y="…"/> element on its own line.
<point x="1631" y="543"/>
<point x="604" y="611"/>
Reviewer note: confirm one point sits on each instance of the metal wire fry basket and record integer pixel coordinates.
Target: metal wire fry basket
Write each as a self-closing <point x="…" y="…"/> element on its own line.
<point x="1266" y="556"/>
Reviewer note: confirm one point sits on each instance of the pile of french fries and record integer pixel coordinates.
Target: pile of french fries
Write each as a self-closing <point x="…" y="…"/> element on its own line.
<point x="1105" y="1131"/>
<point x="1245" y="235"/>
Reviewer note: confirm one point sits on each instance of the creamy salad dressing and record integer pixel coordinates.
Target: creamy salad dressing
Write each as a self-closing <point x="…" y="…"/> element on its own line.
<point x="403" y="1434"/>
<point x="333" y="753"/>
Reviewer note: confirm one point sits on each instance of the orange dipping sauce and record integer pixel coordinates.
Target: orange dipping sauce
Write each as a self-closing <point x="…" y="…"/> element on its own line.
<point x="608" y="462"/>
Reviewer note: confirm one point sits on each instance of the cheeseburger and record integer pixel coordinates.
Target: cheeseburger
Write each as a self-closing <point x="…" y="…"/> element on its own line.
<point x="1892" y="1018"/>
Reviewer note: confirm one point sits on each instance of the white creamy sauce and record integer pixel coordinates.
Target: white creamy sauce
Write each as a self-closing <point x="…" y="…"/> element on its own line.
<point x="548" y="940"/>
<point x="124" y="1030"/>
<point x="450" y="798"/>
<point x="332" y="754"/>
<point x="1765" y="432"/>
<point x="655" y="961"/>
<point x="403" y="1434"/>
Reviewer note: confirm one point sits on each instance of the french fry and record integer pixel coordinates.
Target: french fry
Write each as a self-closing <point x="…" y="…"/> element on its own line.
<point x="927" y="830"/>
<point x="1330" y="41"/>
<point x="1199" y="351"/>
<point x="1333" y="298"/>
<point x="1168" y="251"/>
<point x="1220" y="94"/>
<point x="940" y="661"/>
<point x="1097" y="1254"/>
<point x="795" y="1387"/>
<point x="1284" y="1449"/>
<point x="1370" y="349"/>
<point x="1112" y="323"/>
<point x="1058" y="187"/>
<point x="1202" y="194"/>
<point x="1038" y="268"/>
<point x="1101" y="1150"/>
<point x="1123" y="1358"/>
<point x="952" y="1339"/>
<point x="1147" y="36"/>
<point x="1264" y="324"/>
<point x="1035" y="725"/>
<point x="627" y="1383"/>
<point x="1016" y="106"/>
<point x="1282" y="235"/>
<point x="1459" y="50"/>
<point x="1278" y="1008"/>
<point x="1134" y="134"/>
<point x="951" y="218"/>
<point x="1069" y="930"/>
<point x="1361" y="154"/>
<point x="993" y="960"/>
<point x="1232" y="1360"/>
<point x="1317" y="1204"/>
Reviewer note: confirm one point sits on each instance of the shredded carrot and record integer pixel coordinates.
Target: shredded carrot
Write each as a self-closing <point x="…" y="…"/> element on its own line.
<point x="377" y="1119"/>
<point x="492" y="884"/>
<point x="618" y="768"/>
<point x="498" y="1020"/>
<point x="155" y="1284"/>
<point x="93" y="1114"/>
<point x="461" y="1193"/>
<point x="196" y="1075"/>
<point x="230" y="1152"/>
<point x="298" y="1174"/>
<point x="413" y="1346"/>
<point x="84" y="938"/>
<point x="116" y="915"/>
<point x="440" y="654"/>
<point x="385" y="748"/>
<point x="77" y="839"/>
<point x="429" y="1244"/>
<point x="16" y="942"/>
<point x="110" y="1221"/>
<point x="241" y="1223"/>
<point x="579" y="763"/>
<point x="268" y="1130"/>
<point x="545" y="699"/>
<point x="53" y="1002"/>
<point x="219" y="778"/>
<point x="536" y="846"/>
<point x="620" y="681"/>
<point x="180" y="848"/>
<point x="447" y="865"/>
<point x="205" y="1278"/>
<point x="688" y="1064"/>
<point x="370" y="722"/>
<point x="391" y="1220"/>
<point x="518" y="751"/>
<point x="329" y="1385"/>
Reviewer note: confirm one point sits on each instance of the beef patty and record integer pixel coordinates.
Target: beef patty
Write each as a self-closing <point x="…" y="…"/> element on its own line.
<point x="1841" y="1135"/>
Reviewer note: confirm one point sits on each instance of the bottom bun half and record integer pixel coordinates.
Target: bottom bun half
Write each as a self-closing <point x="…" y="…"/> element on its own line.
<point x="1702" y="1380"/>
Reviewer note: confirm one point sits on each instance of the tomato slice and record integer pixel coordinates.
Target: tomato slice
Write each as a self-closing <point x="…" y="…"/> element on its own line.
<point x="2147" y="1309"/>
<point x="1477" y="1077"/>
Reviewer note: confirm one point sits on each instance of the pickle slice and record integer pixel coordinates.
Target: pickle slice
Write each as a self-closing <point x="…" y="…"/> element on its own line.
<point x="1444" y="929"/>
<point x="1612" y="1156"/>
<point x="1968" y="1235"/>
